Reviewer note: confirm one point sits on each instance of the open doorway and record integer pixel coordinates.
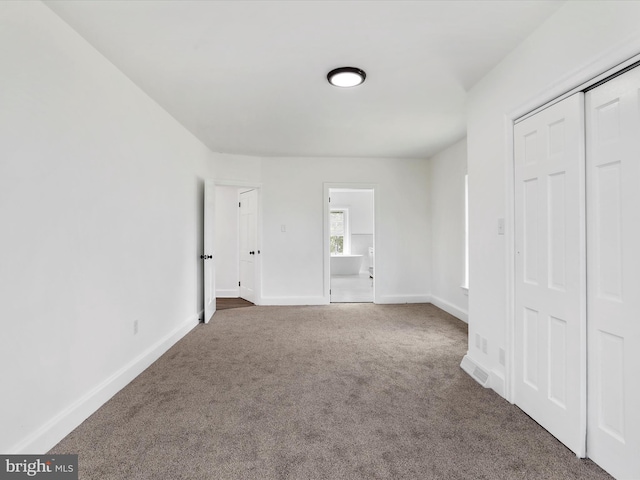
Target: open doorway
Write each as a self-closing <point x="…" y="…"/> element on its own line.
<point x="351" y="248"/>
<point x="237" y="245"/>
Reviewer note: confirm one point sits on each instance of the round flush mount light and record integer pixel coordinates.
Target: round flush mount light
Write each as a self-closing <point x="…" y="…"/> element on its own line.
<point x="346" y="77"/>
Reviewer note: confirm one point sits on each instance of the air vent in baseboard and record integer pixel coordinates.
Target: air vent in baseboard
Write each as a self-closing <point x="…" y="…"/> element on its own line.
<point x="477" y="373"/>
<point x="480" y="375"/>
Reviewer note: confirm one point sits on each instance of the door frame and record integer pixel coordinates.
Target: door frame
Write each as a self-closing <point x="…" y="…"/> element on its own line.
<point x="327" y="186"/>
<point x="258" y="261"/>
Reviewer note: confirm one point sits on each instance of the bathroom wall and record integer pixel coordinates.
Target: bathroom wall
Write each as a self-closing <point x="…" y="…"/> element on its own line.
<point x="360" y="205"/>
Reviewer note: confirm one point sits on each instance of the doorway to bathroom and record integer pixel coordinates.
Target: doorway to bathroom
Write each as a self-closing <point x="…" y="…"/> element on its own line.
<point x="350" y="244"/>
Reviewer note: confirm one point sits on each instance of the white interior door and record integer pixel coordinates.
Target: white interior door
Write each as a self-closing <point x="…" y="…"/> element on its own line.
<point x="248" y="243"/>
<point x="208" y="255"/>
<point x="613" y="260"/>
<point x="550" y="330"/>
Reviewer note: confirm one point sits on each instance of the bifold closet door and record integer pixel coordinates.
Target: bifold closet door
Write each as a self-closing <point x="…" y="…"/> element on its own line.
<point x="550" y="303"/>
<point x="613" y="265"/>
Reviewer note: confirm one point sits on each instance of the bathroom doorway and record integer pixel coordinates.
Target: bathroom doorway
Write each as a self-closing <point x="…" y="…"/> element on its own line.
<point x="350" y="244"/>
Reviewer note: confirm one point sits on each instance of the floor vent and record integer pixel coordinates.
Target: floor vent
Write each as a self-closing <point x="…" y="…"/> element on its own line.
<point x="480" y="375"/>
<point x="477" y="373"/>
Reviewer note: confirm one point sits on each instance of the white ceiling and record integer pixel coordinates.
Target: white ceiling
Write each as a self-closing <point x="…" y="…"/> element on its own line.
<point x="249" y="77"/>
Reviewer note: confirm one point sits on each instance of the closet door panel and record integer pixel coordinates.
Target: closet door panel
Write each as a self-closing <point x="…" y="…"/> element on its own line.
<point x="550" y="338"/>
<point x="613" y="262"/>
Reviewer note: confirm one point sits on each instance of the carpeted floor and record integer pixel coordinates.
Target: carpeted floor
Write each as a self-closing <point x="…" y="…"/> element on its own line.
<point x="350" y="391"/>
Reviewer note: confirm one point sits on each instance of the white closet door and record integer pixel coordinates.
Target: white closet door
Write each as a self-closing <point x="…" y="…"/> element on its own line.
<point x="550" y="303"/>
<point x="613" y="262"/>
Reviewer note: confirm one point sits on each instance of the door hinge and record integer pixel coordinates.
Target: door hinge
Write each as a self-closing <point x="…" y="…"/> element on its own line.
<point x="239" y="204"/>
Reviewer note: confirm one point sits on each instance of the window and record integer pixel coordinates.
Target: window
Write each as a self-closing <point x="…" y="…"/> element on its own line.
<point x="339" y="232"/>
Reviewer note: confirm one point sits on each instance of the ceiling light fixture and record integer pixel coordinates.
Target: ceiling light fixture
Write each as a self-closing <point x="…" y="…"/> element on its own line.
<point x="346" y="77"/>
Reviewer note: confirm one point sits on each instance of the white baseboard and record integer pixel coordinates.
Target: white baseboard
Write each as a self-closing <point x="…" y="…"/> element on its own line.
<point x="385" y="299"/>
<point x="450" y="308"/>
<point x="287" y="301"/>
<point x="49" y="434"/>
<point x="399" y="299"/>
<point x="497" y="383"/>
<point x="228" y="293"/>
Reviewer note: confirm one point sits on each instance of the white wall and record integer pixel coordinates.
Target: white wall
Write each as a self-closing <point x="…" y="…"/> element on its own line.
<point x="580" y="41"/>
<point x="100" y="206"/>
<point x="226" y="242"/>
<point x="293" y="196"/>
<point x="447" y="199"/>
<point x="237" y="170"/>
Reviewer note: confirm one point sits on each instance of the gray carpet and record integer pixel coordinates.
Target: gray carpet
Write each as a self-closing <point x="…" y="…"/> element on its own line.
<point x="351" y="391"/>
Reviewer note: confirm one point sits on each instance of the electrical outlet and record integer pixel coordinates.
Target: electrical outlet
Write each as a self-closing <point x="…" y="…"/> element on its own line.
<point x="135" y="327"/>
<point x="478" y="340"/>
<point x="501" y="358"/>
<point x="484" y="345"/>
